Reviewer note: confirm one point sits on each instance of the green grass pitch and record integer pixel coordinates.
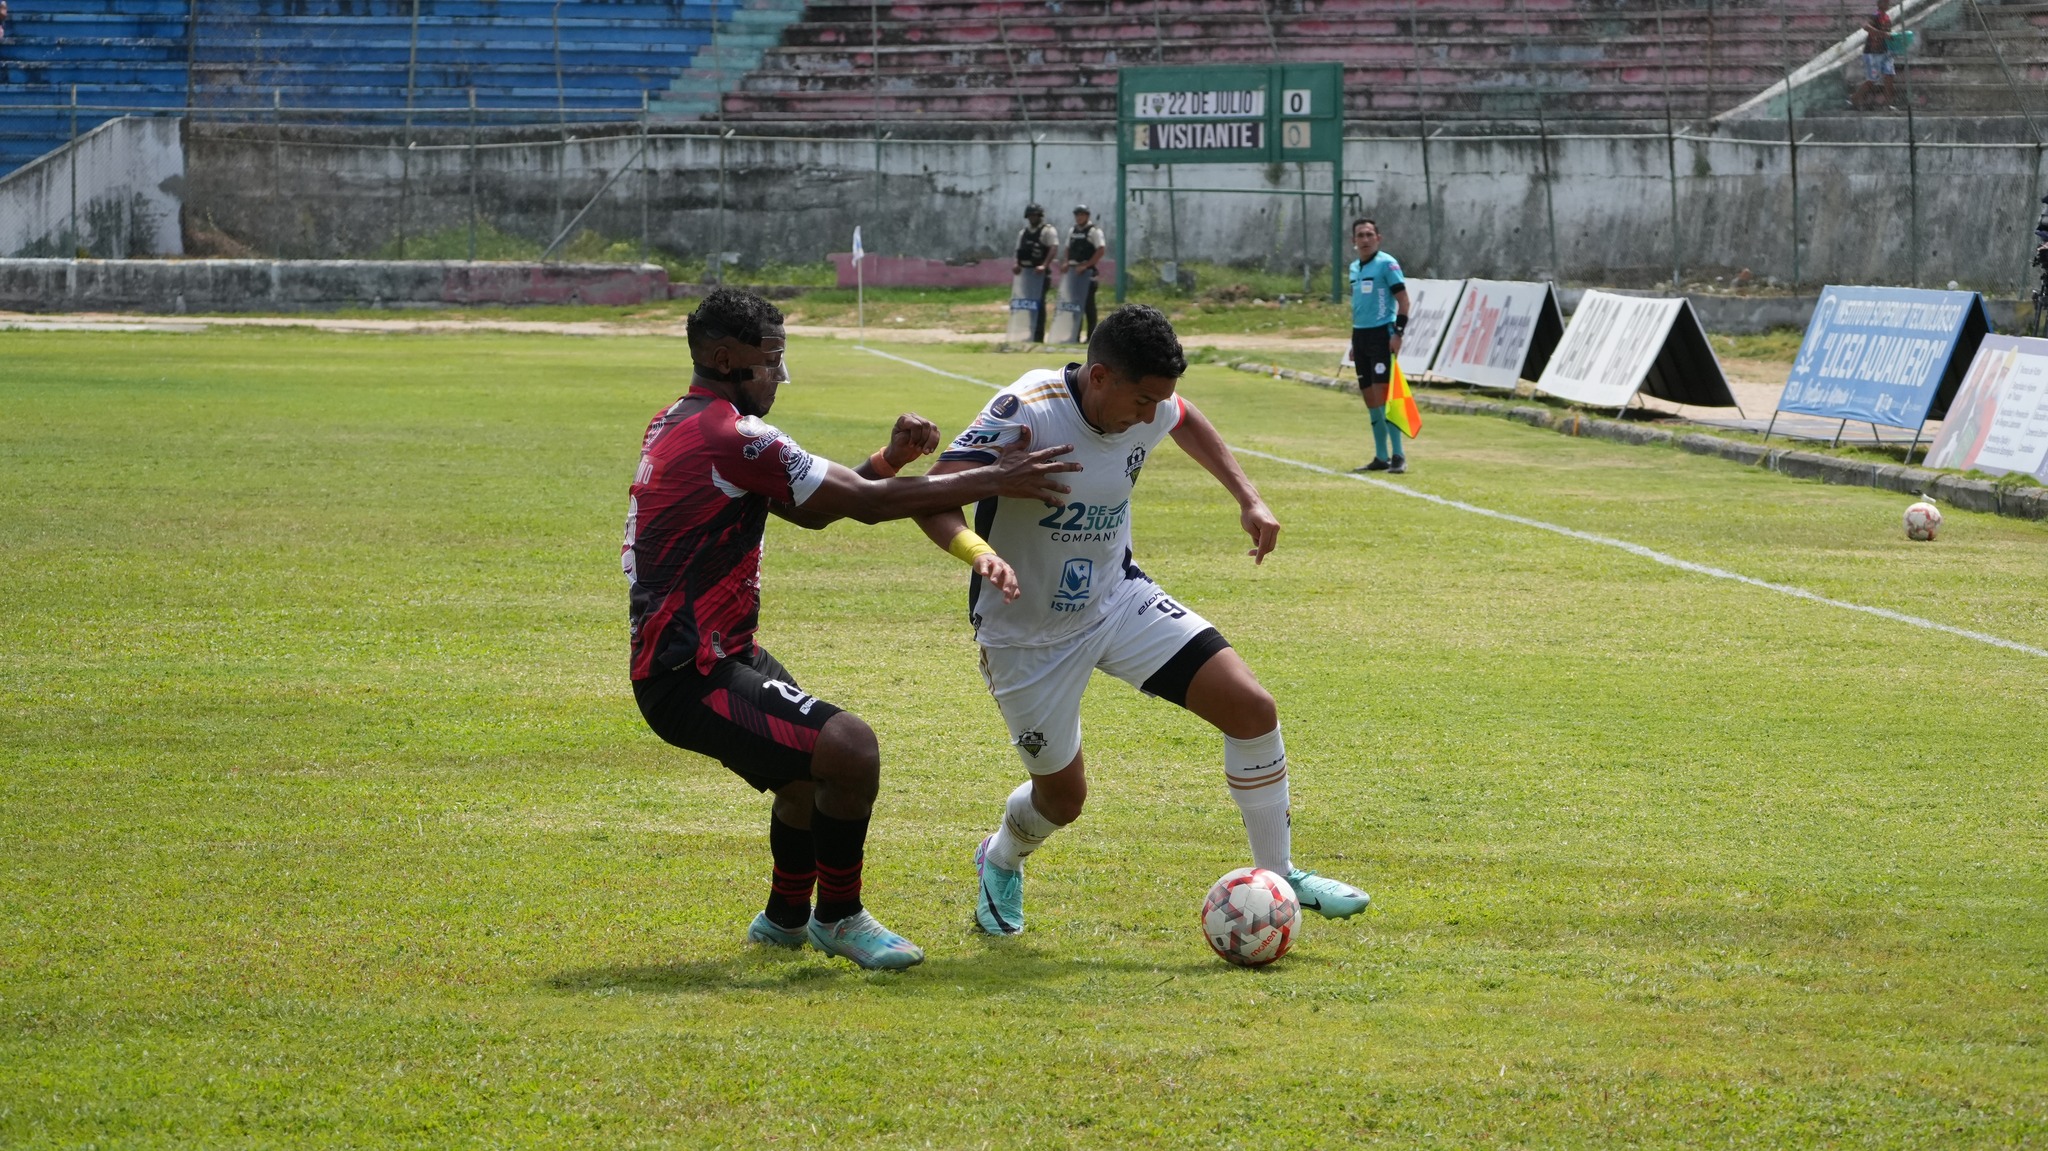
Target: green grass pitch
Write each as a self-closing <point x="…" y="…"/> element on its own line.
<point x="326" y="818"/>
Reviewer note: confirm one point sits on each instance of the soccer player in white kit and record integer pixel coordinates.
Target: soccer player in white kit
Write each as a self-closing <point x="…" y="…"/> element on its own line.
<point x="1067" y="598"/>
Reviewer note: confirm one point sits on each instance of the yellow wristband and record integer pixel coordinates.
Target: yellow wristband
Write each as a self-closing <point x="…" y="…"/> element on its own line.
<point x="968" y="547"/>
<point x="879" y="462"/>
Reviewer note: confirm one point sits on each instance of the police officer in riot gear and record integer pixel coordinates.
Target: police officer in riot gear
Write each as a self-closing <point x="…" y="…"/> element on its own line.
<point x="1036" y="245"/>
<point x="1085" y="247"/>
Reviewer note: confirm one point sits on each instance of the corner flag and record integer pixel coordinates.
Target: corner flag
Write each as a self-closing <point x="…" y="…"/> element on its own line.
<point x="1401" y="409"/>
<point x="857" y="253"/>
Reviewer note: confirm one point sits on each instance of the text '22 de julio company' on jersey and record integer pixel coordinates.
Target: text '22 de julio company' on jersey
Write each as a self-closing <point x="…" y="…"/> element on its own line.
<point x="1069" y="560"/>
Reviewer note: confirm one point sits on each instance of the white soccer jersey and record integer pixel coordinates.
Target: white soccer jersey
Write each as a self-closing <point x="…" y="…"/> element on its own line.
<point x="1070" y="561"/>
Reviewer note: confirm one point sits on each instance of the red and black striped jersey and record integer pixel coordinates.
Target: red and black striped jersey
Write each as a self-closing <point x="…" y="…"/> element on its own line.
<point x="693" y="529"/>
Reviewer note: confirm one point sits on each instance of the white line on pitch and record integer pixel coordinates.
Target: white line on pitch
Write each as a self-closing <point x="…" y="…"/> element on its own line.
<point x="1588" y="537"/>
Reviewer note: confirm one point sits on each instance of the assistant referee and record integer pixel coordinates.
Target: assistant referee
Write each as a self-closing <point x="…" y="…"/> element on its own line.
<point x="1379" y="314"/>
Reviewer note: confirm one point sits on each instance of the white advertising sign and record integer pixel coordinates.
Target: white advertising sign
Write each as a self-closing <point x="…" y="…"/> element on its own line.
<point x="1430" y="303"/>
<point x="1494" y="331"/>
<point x="1620" y="345"/>
<point x="1998" y="421"/>
<point x="1608" y="349"/>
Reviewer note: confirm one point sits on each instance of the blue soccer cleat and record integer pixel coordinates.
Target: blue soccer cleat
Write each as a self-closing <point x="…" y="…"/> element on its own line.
<point x="1329" y="898"/>
<point x="1000" y="907"/>
<point x="766" y="930"/>
<point x="861" y="938"/>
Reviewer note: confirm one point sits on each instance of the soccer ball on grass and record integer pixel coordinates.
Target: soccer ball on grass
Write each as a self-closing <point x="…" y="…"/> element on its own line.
<point x="1251" y="917"/>
<point x="1922" y="521"/>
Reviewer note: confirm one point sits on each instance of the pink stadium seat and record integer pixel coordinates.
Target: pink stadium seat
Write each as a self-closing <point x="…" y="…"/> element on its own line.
<point x="1017" y="59"/>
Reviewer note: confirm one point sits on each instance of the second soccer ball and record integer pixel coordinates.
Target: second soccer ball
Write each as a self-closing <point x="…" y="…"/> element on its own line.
<point x="1251" y="917"/>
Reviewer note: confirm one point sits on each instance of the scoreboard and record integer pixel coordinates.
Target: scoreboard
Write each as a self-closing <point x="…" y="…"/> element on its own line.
<point x="1233" y="114"/>
<point x="1260" y="114"/>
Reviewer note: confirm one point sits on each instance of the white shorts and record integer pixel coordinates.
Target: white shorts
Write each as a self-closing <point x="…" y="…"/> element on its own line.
<point x="1039" y="689"/>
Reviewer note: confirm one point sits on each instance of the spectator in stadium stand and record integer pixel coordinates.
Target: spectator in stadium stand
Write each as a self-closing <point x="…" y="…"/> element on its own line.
<point x="1036" y="246"/>
<point x="1085" y="246"/>
<point x="1878" y="70"/>
<point x="1379" y="314"/>
<point x="712" y="470"/>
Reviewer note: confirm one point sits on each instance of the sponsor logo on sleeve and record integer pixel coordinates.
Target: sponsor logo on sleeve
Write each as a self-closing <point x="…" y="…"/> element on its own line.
<point x="758" y="433"/>
<point x="1004" y="407"/>
<point x="796" y="463"/>
<point x="978" y="438"/>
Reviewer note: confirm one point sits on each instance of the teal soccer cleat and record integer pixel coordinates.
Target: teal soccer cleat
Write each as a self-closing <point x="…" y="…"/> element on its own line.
<point x="861" y="938"/>
<point x="766" y="930"/>
<point x="1328" y="898"/>
<point x="1000" y="908"/>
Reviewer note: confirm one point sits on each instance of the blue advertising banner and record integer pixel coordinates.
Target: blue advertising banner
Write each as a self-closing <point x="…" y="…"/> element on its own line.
<point x="1890" y="356"/>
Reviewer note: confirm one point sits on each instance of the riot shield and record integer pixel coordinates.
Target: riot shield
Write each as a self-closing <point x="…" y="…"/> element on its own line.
<point x="1065" y="327"/>
<point x="1027" y="296"/>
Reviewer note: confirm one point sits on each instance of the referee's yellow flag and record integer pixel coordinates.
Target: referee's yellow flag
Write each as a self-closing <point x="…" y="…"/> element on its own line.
<point x="1401" y="409"/>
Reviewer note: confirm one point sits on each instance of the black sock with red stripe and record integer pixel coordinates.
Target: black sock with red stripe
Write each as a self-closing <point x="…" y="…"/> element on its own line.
<point x="838" y="845"/>
<point x="796" y="869"/>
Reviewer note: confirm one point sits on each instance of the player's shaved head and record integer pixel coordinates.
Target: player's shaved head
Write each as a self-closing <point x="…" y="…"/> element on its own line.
<point x="730" y="314"/>
<point x="1137" y="341"/>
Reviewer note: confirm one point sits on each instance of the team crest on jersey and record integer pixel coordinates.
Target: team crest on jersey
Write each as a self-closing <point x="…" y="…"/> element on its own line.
<point x="1134" y="463"/>
<point x="1004" y="407"/>
<point x="1077" y="583"/>
<point x="1033" y="742"/>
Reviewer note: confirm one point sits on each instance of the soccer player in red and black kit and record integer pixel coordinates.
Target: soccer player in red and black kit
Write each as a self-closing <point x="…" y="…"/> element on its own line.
<point x="711" y="469"/>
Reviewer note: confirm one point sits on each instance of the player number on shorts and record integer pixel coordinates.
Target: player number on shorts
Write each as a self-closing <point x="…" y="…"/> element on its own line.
<point x="790" y="691"/>
<point x="1170" y="609"/>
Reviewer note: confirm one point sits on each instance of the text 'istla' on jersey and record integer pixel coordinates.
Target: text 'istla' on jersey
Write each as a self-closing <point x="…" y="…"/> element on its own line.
<point x="1069" y="560"/>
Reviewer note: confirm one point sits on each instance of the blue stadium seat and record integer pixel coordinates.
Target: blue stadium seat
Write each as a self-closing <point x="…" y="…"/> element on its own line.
<point x="598" y="58"/>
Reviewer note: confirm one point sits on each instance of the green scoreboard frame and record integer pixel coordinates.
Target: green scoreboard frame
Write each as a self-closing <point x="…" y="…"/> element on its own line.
<point x="1258" y="114"/>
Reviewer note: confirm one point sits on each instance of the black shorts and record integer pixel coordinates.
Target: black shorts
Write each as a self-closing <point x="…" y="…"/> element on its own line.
<point x="748" y="714"/>
<point x="1372" y="354"/>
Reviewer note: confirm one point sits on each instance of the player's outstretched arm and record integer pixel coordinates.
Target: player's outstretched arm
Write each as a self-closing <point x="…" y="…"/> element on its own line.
<point x="946" y="529"/>
<point x="912" y="438"/>
<point x="1199" y="439"/>
<point x="1018" y="472"/>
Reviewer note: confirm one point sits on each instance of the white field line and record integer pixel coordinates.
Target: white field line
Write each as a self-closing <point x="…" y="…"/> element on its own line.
<point x="1589" y="537"/>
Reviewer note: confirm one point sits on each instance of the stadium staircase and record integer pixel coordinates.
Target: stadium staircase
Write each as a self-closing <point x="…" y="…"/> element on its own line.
<point x="1042" y="60"/>
<point x="1985" y="58"/>
<point x="353" y="59"/>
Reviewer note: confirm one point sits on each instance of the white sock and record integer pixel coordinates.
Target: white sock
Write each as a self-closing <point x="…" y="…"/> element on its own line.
<point x="1023" y="829"/>
<point x="1257" y="770"/>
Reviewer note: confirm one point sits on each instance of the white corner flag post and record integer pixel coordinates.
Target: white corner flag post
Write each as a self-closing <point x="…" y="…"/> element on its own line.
<point x="860" y="287"/>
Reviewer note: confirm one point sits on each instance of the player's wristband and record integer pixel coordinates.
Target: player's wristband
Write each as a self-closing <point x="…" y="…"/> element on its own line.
<point x="1400" y="324"/>
<point x="968" y="547"/>
<point x="879" y="464"/>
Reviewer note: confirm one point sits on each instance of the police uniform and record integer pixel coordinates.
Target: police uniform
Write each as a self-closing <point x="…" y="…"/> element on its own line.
<point x="1035" y="246"/>
<point x="1082" y="244"/>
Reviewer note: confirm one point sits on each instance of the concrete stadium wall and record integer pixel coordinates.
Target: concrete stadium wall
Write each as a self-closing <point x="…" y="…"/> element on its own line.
<point x="179" y="286"/>
<point x="1482" y="211"/>
<point x="126" y="175"/>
